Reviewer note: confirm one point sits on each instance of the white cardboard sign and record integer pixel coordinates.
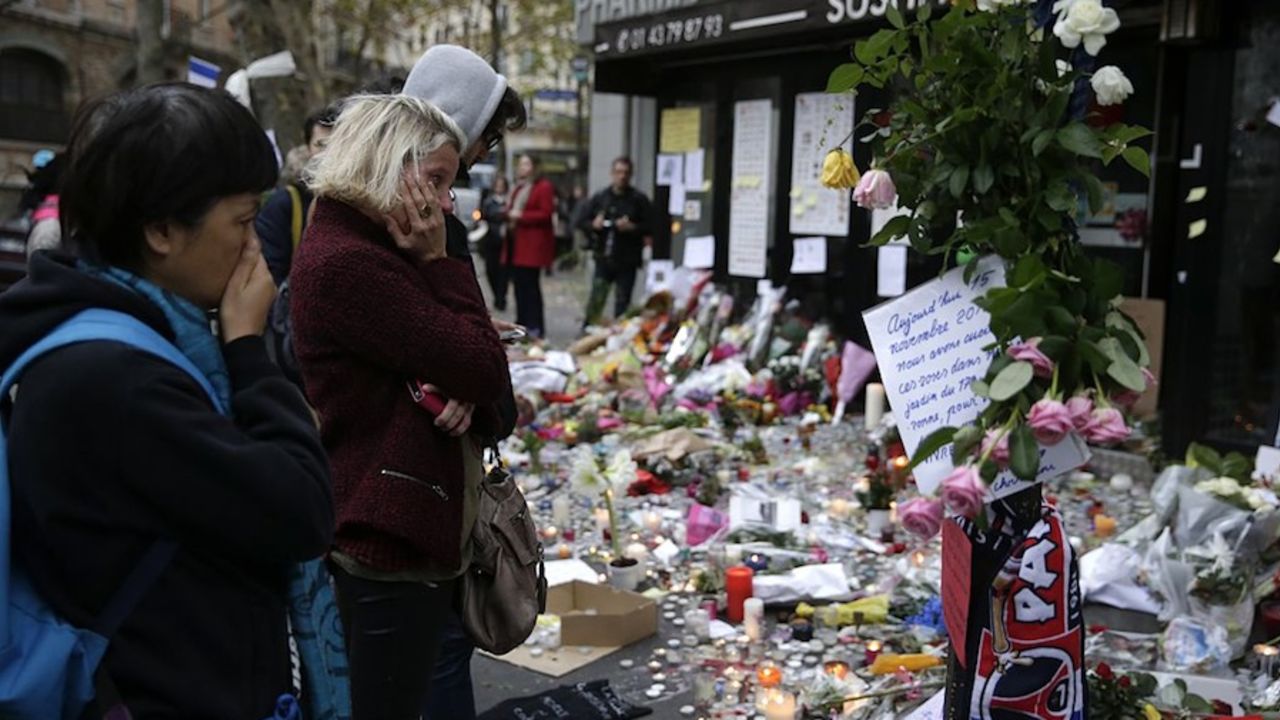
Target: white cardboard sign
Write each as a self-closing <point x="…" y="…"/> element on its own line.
<point x="928" y="344"/>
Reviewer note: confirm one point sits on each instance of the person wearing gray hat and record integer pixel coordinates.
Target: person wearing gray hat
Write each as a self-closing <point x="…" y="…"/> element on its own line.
<point x="478" y="99"/>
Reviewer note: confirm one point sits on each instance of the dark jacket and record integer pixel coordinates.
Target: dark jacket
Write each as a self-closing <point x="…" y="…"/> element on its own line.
<point x="111" y="448"/>
<point x="623" y="249"/>
<point x="366" y="320"/>
<point x="274" y="226"/>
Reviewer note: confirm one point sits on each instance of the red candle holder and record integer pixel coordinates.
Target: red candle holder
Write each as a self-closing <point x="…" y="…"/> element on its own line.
<point x="738" y="585"/>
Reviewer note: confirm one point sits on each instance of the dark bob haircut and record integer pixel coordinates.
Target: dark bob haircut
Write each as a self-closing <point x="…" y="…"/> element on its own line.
<point x="159" y="153"/>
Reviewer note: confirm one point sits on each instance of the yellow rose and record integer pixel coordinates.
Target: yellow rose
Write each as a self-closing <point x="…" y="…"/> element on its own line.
<point x="838" y="170"/>
<point x="1149" y="712"/>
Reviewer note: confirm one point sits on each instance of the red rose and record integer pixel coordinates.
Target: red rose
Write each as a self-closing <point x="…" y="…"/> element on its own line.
<point x="1222" y="708"/>
<point x="1125" y="681"/>
<point x="1104" y="671"/>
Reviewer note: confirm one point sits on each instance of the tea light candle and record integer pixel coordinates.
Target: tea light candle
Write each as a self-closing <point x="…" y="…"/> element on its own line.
<point x="698" y="622"/>
<point x="1104" y="526"/>
<point x="769" y="674"/>
<point x="875" y="405"/>
<point x="636" y="551"/>
<point x="738" y="586"/>
<point x="652" y="521"/>
<point x="753" y="618"/>
<point x="733" y="554"/>
<point x="564" y="551"/>
<point x="838" y="508"/>
<point x="560" y="509"/>
<point x="780" y="705"/>
<point x="1121" y="482"/>
<point x="917" y="558"/>
<point x="757" y="562"/>
<point x="836" y="669"/>
<point x="550" y="532"/>
<point x="873" y="651"/>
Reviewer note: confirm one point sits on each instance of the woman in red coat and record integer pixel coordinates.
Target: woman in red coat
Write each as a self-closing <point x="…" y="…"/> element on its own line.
<point x="531" y="241"/>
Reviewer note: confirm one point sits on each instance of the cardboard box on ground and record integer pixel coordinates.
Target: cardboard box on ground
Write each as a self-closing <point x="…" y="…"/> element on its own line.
<point x="600" y="615"/>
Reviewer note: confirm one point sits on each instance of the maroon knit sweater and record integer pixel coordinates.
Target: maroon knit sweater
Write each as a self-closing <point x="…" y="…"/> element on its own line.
<point x="366" y="319"/>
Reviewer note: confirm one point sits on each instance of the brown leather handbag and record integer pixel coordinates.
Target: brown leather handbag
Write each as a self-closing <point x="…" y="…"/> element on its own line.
<point x="505" y="589"/>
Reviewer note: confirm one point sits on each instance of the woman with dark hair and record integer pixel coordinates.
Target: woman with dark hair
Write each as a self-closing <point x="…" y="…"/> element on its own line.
<point x="115" y="452"/>
<point x="531" y="241"/>
<point x="494" y="211"/>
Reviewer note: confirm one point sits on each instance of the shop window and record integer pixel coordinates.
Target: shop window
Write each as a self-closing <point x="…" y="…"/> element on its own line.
<point x="31" y="96"/>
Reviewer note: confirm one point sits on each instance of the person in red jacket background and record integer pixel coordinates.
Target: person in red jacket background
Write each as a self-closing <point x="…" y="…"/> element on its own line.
<point x="531" y="241"/>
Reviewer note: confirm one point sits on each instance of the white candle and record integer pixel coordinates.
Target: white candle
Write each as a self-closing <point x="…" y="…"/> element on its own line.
<point x="602" y="519"/>
<point x="753" y="618"/>
<point x="698" y="622"/>
<point x="560" y="508"/>
<point x="875" y="405"/>
<point x="636" y="551"/>
<point x="780" y="705"/>
<point x="652" y="521"/>
<point x="838" y="507"/>
<point x="733" y="554"/>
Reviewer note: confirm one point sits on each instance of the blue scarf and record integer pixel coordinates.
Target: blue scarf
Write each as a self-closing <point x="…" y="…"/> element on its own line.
<point x="192" y="332"/>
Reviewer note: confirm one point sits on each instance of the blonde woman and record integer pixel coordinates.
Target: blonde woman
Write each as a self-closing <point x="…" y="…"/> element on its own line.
<point x="377" y="306"/>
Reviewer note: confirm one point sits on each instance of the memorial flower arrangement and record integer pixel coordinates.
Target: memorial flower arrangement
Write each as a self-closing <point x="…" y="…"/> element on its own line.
<point x="988" y="147"/>
<point x="594" y="477"/>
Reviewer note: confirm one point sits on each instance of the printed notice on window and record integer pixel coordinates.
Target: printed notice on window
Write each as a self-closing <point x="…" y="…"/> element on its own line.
<point x="929" y="345"/>
<point x="822" y="121"/>
<point x="751" y="188"/>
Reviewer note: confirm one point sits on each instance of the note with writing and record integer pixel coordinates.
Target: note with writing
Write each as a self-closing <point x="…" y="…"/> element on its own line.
<point x="693" y="170"/>
<point x="822" y="121"/>
<point x="675" y="199"/>
<point x="700" y="252"/>
<point x="678" y="130"/>
<point x="933" y="709"/>
<point x="809" y="256"/>
<point x="929" y="345"/>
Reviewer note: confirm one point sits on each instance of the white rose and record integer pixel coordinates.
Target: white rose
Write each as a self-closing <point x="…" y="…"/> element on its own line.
<point x="1085" y="21"/>
<point x="995" y="5"/>
<point x="1110" y="85"/>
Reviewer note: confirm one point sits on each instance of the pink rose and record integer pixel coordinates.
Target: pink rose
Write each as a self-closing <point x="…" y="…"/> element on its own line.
<point x="1128" y="398"/>
<point x="963" y="491"/>
<point x="921" y="517"/>
<point x="1000" y="453"/>
<point x="875" y="190"/>
<point x="1081" y="409"/>
<point x="1106" y="427"/>
<point x="1029" y="351"/>
<point x="1050" y="421"/>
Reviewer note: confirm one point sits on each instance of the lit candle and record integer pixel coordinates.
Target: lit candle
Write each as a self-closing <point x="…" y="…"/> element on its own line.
<point x="550" y="532"/>
<point x="780" y="705"/>
<point x="1104" y="525"/>
<point x="652" y="521"/>
<point x="601" y="516"/>
<point x="1266" y="658"/>
<point x="757" y="562"/>
<point x="769" y="674"/>
<point x="917" y="558"/>
<point x="738" y="587"/>
<point x="863" y="485"/>
<point x="875" y="405"/>
<point x="560" y="507"/>
<point x="564" y="551"/>
<point x="753" y="618"/>
<point x="901" y="462"/>
<point x="836" y="669"/>
<point x="838" y="508"/>
<point x="873" y="651"/>
<point x="636" y="551"/>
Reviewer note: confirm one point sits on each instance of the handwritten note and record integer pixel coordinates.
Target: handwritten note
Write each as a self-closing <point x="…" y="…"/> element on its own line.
<point x="809" y="256"/>
<point x="693" y="168"/>
<point x="678" y="130"/>
<point x="749" y="201"/>
<point x="700" y="252"/>
<point x="933" y="709"/>
<point x="929" y="345"/>
<point x="822" y="121"/>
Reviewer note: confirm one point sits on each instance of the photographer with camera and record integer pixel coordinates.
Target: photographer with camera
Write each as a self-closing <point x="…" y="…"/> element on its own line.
<point x="617" y="221"/>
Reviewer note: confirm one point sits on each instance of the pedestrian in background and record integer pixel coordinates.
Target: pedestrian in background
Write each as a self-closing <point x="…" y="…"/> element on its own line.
<point x="115" y="454"/>
<point x="493" y="210"/>
<point x="531" y="245"/>
<point x="377" y="310"/>
<point x="618" y="222"/>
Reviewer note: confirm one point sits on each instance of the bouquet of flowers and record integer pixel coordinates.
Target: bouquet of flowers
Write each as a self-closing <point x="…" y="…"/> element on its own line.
<point x="592" y="476"/>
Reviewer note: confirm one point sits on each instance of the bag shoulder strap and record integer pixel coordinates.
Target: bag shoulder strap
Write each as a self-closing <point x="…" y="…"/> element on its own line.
<point x="295" y="219"/>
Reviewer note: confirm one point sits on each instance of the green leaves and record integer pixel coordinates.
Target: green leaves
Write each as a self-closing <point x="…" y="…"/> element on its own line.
<point x="963" y="443"/>
<point x="959" y="178"/>
<point x="894" y="16"/>
<point x="845" y="78"/>
<point x="1138" y="159"/>
<point x="1011" y="380"/>
<point x="932" y="443"/>
<point x="1024" y="452"/>
<point x="1232" y="465"/>
<point x="1041" y="141"/>
<point x="983" y="177"/>
<point x="895" y="228"/>
<point x="1079" y="139"/>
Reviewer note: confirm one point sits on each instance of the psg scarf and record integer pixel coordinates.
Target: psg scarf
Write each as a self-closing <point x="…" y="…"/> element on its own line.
<point x="1023" y="641"/>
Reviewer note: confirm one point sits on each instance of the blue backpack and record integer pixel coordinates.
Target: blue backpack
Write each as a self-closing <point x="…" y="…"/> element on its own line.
<point x="49" y="668"/>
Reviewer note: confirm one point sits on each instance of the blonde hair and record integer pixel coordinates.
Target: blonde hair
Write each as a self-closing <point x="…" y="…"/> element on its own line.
<point x="375" y="136"/>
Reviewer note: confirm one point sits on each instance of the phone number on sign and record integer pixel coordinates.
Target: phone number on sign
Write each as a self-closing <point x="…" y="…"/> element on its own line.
<point x="670" y="33"/>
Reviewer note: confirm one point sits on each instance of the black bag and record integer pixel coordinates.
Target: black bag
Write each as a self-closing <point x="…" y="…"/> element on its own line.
<point x="505" y="589"/>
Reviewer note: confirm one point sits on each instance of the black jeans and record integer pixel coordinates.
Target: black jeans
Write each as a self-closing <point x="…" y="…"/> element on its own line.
<point x="393" y="632"/>
<point x="496" y="272"/>
<point x="452" y="695"/>
<point x="528" y="282"/>
<point x="606" y="275"/>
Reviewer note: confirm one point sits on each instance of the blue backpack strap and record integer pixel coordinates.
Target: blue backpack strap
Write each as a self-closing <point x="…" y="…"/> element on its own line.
<point x="100" y="324"/>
